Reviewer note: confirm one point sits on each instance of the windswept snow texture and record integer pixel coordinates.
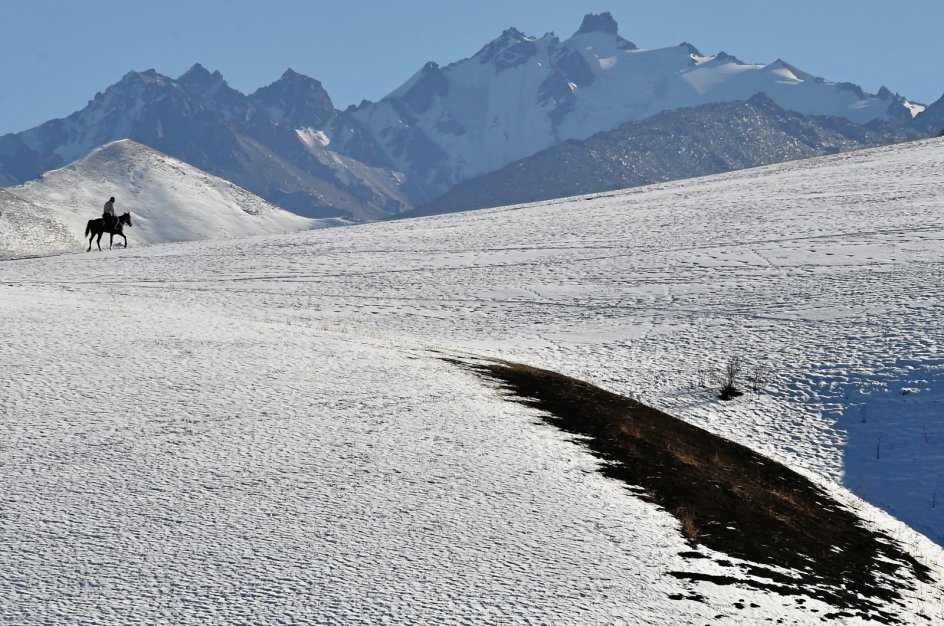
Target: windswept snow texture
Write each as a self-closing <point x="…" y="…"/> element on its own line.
<point x="262" y="431"/>
<point x="168" y="201"/>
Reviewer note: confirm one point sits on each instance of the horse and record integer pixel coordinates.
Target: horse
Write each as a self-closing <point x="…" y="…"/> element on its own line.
<point x="97" y="227"/>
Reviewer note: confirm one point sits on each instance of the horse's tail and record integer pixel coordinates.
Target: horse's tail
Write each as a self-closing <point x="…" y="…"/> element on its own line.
<point x="88" y="228"/>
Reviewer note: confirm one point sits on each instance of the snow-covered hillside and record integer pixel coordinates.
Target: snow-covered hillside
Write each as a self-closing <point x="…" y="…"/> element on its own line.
<point x="168" y="201"/>
<point x="263" y="429"/>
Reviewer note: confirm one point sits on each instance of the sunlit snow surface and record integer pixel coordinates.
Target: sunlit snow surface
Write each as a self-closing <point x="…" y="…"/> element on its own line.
<point x="260" y="429"/>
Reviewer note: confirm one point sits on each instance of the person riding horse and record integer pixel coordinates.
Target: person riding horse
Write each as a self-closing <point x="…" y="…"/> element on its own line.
<point x="107" y="223"/>
<point x="109" y="214"/>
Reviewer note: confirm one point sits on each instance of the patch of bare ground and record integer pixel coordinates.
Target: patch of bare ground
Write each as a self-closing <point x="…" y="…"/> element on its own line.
<point x="726" y="497"/>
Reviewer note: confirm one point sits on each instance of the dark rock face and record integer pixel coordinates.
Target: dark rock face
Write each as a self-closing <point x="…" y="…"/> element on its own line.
<point x="603" y="22"/>
<point x="573" y="67"/>
<point x="569" y="69"/>
<point x="931" y="120"/>
<point x="510" y="49"/>
<point x="295" y="100"/>
<point x="432" y="84"/>
<point x="425" y="156"/>
<point x="350" y="138"/>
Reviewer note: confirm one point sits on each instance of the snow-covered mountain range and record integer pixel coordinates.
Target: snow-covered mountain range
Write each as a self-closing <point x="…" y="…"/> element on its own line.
<point x="446" y="124"/>
<point x="168" y="200"/>
<point x="273" y="429"/>
<point x="521" y="94"/>
<point x="199" y="119"/>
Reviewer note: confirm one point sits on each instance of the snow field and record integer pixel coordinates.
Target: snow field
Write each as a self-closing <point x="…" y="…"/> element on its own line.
<point x="195" y="467"/>
<point x="285" y="443"/>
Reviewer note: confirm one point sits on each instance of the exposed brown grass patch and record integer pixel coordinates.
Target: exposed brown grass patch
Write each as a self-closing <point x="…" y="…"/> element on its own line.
<point x="725" y="496"/>
<point x="689" y="525"/>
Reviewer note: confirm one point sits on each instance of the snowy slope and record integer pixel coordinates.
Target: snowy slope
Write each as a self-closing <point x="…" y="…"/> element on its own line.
<point x="168" y="200"/>
<point x="262" y="429"/>
<point x="520" y="94"/>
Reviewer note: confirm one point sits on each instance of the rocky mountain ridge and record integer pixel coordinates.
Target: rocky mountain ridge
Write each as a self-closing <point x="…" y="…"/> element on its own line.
<point x="671" y="145"/>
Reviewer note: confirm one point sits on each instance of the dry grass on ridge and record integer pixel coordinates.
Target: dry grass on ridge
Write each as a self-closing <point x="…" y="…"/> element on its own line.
<point x="726" y="497"/>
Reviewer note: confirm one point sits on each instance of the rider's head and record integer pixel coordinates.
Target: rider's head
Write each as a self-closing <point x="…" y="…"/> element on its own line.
<point x="112" y="199"/>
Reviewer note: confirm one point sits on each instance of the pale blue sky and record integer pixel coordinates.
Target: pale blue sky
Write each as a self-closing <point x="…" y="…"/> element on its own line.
<point x="56" y="54"/>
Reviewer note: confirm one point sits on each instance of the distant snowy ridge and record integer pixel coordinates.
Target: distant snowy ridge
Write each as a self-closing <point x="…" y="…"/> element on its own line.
<point x="672" y="145"/>
<point x="168" y="200"/>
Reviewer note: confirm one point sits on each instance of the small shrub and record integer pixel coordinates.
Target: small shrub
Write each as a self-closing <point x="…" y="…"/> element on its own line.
<point x="732" y="370"/>
<point x="758" y="377"/>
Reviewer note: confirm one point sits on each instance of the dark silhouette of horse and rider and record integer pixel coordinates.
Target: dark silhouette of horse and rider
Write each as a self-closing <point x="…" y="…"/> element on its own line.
<point x="107" y="223"/>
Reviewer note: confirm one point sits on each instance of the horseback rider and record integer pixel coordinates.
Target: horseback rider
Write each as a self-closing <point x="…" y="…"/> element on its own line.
<point x="109" y="214"/>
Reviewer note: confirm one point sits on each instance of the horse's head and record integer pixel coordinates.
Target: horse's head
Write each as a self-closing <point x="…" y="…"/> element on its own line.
<point x="125" y="218"/>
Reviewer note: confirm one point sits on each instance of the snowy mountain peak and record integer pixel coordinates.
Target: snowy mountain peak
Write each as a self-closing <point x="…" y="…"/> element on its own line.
<point x="295" y="99"/>
<point x="135" y="78"/>
<point x="293" y="82"/>
<point x="429" y="84"/>
<point x="199" y="75"/>
<point x="724" y="57"/>
<point x="141" y="76"/>
<point x="602" y="22"/>
<point x="692" y="50"/>
<point x="290" y="75"/>
<point x="782" y="66"/>
<point x="513" y="33"/>
<point x="509" y="37"/>
<point x="295" y="79"/>
<point x="209" y="87"/>
<point x="110" y="152"/>
<point x="599" y="32"/>
<point x="428" y="68"/>
<point x="509" y="50"/>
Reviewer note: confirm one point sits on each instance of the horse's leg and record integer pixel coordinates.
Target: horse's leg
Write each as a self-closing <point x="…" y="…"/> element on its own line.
<point x="125" y="238"/>
<point x="91" y="237"/>
<point x="99" y="241"/>
<point x="111" y="239"/>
